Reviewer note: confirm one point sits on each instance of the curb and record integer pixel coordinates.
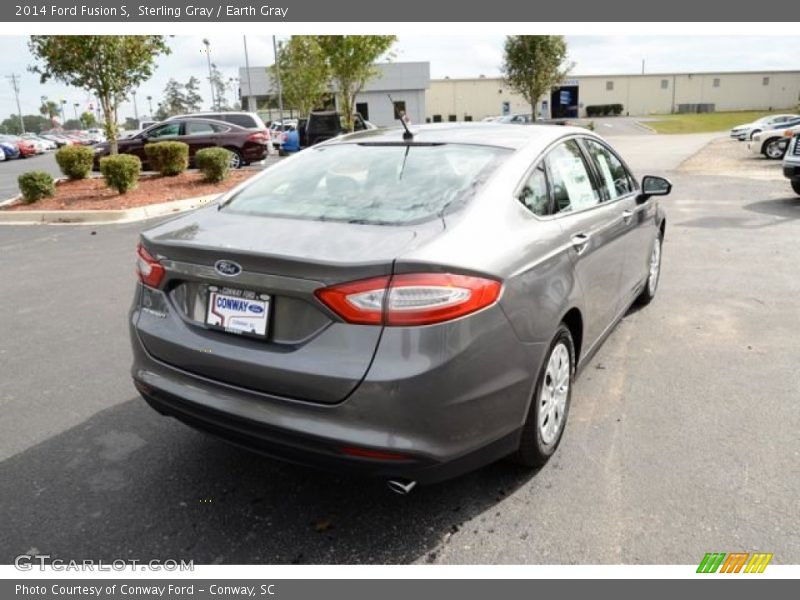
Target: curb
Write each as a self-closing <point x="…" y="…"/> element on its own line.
<point x="102" y="217"/>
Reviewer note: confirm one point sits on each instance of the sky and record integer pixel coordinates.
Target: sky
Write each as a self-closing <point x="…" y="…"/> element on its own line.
<point x="591" y="55"/>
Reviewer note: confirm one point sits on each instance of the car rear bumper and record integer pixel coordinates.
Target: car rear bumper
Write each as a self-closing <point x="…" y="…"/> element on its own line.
<point x="434" y="414"/>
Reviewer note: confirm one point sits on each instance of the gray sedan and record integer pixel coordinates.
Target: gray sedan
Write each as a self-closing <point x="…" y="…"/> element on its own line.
<point x="410" y="307"/>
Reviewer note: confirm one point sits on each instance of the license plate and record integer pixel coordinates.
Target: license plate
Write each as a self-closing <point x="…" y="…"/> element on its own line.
<point x="238" y="311"/>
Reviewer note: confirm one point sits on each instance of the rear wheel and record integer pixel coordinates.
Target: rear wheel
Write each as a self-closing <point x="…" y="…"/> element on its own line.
<point x="236" y="158"/>
<point x="547" y="415"/>
<point x="774" y="149"/>
<point x="796" y="185"/>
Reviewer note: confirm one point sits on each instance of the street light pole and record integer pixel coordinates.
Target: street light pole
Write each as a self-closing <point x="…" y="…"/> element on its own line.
<point x="278" y="78"/>
<point x="150" y="103"/>
<point x="63" y="117"/>
<point x="75" y="108"/>
<point x="249" y="82"/>
<point x="15" y="87"/>
<point x="210" y="82"/>
<point x="135" y="108"/>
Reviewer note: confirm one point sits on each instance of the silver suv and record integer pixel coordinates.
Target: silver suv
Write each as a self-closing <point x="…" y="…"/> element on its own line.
<point x="791" y="163"/>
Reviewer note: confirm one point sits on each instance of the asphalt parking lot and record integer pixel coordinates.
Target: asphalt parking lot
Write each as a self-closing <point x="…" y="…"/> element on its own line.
<point x="682" y="437"/>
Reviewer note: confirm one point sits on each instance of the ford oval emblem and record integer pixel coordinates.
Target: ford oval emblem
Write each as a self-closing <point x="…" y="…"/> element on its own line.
<point x="228" y="268"/>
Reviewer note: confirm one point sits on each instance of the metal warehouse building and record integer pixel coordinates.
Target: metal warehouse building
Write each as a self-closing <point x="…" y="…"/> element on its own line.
<point x="406" y="82"/>
<point x="658" y="93"/>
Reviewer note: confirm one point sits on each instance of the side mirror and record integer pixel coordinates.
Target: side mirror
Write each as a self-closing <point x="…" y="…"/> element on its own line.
<point x="654" y="186"/>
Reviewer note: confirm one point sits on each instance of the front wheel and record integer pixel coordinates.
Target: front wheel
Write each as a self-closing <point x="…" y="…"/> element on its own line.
<point x="796" y="185"/>
<point x="547" y="415"/>
<point x="653" y="274"/>
<point x="774" y="149"/>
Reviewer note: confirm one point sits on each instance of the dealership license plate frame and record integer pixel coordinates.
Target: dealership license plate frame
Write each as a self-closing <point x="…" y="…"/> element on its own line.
<point x="252" y="297"/>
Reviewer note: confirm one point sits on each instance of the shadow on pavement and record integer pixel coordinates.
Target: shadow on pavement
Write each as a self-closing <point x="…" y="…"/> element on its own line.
<point x="129" y="484"/>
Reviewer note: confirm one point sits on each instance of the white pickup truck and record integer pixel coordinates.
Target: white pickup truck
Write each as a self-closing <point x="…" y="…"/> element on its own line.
<point x="791" y="163"/>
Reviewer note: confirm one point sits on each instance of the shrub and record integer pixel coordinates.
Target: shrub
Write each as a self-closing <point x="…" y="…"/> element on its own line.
<point x="36" y="185"/>
<point x="604" y="110"/>
<point x="215" y="163"/>
<point x="121" y="171"/>
<point x="75" y="161"/>
<point x="168" y="158"/>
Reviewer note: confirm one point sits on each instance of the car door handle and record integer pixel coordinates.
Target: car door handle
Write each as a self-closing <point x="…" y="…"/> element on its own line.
<point x="580" y="241"/>
<point x="627" y="215"/>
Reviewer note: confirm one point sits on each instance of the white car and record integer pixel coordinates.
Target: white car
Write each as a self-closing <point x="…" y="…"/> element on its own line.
<point x="791" y="163"/>
<point x="772" y="143"/>
<point x="748" y="130"/>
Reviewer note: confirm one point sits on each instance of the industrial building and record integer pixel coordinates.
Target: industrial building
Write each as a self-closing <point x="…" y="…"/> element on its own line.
<point x="405" y="82"/>
<point x="639" y="95"/>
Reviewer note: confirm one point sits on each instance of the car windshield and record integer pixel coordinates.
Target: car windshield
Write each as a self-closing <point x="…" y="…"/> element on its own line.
<point x="369" y="183"/>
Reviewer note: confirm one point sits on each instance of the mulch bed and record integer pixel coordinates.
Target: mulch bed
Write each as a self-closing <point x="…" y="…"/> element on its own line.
<point x="92" y="194"/>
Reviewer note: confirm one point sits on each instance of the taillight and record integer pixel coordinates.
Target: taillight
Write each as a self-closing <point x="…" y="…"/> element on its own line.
<point x="148" y="268"/>
<point x="410" y="299"/>
<point x="260" y="137"/>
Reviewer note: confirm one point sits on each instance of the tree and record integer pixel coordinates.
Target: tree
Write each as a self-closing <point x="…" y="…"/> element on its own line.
<point x="534" y="64"/>
<point x="130" y="124"/>
<point x="108" y="66"/>
<point x="218" y="84"/>
<point x="350" y="60"/>
<point x="174" y="99"/>
<point x="88" y="119"/>
<point x="72" y="124"/>
<point x="192" y="97"/>
<point x="33" y="124"/>
<point x="50" y="108"/>
<point x="305" y="73"/>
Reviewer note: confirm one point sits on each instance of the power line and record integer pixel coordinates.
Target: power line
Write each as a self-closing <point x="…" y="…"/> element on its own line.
<point x="15" y="87"/>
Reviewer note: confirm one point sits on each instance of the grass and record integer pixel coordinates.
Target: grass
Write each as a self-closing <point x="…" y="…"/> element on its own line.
<point x="707" y="122"/>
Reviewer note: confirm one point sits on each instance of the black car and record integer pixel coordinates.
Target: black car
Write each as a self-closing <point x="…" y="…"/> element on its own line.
<point x="324" y="125"/>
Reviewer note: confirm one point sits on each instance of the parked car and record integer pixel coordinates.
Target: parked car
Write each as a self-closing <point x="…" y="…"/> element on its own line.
<point x="791" y="163"/>
<point x="772" y="143"/>
<point x="246" y="145"/>
<point x="26" y="147"/>
<point x="324" y="125"/>
<point x="351" y="307"/>
<point x="59" y="140"/>
<point x="43" y="144"/>
<point x="10" y="150"/>
<point x="515" y="119"/>
<point x="748" y="130"/>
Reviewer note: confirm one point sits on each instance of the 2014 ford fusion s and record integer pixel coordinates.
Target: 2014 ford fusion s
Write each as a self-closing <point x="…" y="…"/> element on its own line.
<point x="408" y="306"/>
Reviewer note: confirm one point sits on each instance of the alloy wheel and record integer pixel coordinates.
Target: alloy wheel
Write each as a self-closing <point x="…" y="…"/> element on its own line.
<point x="554" y="393"/>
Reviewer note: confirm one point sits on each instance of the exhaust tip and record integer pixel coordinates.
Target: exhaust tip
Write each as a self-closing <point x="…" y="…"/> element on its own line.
<point x="401" y="486"/>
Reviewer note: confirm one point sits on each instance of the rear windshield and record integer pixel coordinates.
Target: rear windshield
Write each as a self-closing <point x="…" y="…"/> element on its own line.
<point x="360" y="183"/>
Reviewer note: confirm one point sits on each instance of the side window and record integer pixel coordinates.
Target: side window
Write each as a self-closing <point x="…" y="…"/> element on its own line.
<point x="569" y="177"/>
<point x="198" y="128"/>
<point x="245" y="121"/>
<point x="166" y="130"/>
<point x="614" y="177"/>
<point x="535" y="195"/>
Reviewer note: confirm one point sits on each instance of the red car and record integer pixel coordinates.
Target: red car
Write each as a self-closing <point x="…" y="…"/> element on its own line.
<point x="26" y="147"/>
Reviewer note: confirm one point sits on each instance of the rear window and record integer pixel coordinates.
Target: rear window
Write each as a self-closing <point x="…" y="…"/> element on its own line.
<point x="361" y="183"/>
<point x="241" y="120"/>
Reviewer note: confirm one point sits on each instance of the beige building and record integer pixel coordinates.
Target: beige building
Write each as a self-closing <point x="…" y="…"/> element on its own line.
<point x="660" y="93"/>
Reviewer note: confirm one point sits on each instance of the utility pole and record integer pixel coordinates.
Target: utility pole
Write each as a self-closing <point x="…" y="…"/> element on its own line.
<point x="210" y="81"/>
<point x="15" y="86"/>
<point x="278" y="77"/>
<point x="249" y="81"/>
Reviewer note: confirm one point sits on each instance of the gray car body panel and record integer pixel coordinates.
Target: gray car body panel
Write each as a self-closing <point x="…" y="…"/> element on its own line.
<point x="440" y="392"/>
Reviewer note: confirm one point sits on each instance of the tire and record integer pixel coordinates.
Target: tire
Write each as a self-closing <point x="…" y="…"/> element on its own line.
<point x="237" y="162"/>
<point x="772" y="149"/>
<point x="653" y="273"/>
<point x="796" y="185"/>
<point x="539" y="442"/>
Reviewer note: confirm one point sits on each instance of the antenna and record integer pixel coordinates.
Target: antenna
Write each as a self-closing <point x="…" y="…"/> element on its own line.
<point x="407" y="136"/>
